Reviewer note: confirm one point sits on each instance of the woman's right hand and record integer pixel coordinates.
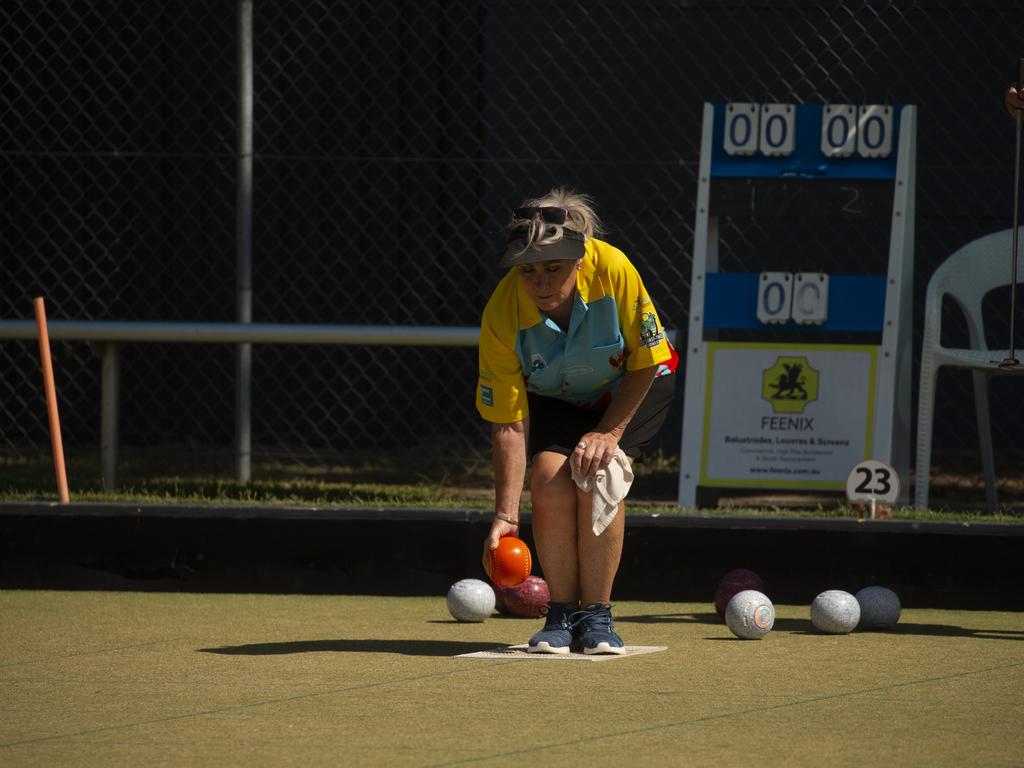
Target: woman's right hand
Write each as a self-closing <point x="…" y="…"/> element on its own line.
<point x="499" y="529"/>
<point x="1013" y="100"/>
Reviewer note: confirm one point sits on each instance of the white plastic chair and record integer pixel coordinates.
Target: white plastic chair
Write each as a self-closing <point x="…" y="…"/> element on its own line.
<point x="966" y="276"/>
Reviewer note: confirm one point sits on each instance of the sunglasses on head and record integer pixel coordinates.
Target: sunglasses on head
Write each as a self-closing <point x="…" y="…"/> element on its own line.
<point x="550" y="214"/>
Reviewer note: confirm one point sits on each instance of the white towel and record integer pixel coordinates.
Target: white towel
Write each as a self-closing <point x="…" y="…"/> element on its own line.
<point x="609" y="487"/>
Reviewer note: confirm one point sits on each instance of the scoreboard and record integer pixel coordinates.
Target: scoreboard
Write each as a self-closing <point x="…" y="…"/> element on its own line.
<point x="798" y="414"/>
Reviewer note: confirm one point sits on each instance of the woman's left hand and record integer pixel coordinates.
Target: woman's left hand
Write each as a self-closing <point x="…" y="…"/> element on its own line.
<point x="594" y="451"/>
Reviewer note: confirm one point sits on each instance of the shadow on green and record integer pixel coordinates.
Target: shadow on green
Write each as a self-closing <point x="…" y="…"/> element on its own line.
<point x="404" y="647"/>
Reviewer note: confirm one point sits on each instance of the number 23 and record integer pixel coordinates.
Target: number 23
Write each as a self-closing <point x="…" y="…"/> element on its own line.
<point x="881" y="477"/>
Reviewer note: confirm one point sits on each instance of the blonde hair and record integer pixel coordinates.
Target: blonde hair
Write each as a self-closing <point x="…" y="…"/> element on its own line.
<point x="580" y="217"/>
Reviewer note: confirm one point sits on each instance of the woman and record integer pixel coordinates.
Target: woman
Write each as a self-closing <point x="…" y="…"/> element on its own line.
<point x="576" y="374"/>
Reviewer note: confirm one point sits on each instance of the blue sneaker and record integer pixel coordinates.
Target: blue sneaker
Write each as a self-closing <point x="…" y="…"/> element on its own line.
<point x="556" y="637"/>
<point x="595" y="632"/>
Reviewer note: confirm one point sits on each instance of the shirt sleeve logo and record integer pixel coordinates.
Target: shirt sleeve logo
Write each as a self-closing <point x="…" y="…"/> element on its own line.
<point x="650" y="336"/>
<point x="487" y="396"/>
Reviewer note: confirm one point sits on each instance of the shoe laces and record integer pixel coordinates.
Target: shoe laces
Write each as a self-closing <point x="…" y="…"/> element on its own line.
<point x="596" y="616"/>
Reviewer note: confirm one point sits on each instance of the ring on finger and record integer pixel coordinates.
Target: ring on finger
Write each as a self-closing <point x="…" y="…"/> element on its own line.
<point x="581" y="444"/>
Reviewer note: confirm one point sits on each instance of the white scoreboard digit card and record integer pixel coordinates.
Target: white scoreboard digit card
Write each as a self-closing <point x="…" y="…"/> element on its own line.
<point x="778" y="129"/>
<point x="874" y="130"/>
<point x="742" y="128"/>
<point x="838" y="130"/>
<point x="810" y="298"/>
<point x="774" y="297"/>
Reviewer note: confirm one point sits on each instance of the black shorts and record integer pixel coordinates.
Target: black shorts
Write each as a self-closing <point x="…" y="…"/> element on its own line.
<point x="556" y="425"/>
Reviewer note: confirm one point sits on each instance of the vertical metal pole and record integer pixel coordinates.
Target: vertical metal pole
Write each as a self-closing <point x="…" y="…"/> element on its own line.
<point x="1011" y="361"/>
<point x="109" y="409"/>
<point x="243" y="391"/>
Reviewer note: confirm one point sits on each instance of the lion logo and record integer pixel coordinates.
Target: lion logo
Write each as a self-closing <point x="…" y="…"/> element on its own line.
<point x="790" y="384"/>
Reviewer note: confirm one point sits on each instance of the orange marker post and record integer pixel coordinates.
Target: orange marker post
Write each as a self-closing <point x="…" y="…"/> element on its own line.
<point x="51" y="400"/>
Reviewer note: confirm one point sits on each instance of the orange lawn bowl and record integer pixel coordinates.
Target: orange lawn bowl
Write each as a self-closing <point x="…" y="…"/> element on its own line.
<point x="511" y="562"/>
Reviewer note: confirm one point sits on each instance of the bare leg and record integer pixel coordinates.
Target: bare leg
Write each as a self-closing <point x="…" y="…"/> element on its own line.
<point x="598" y="555"/>
<point x="554" y="525"/>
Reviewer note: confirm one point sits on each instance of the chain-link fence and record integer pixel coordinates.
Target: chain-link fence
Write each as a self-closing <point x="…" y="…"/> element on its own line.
<point x="390" y="140"/>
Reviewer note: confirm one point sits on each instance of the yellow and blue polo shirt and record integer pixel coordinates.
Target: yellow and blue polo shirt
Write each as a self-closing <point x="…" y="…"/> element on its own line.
<point x="614" y="328"/>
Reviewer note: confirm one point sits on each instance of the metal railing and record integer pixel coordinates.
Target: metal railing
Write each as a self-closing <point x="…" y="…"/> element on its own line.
<point x="111" y="335"/>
